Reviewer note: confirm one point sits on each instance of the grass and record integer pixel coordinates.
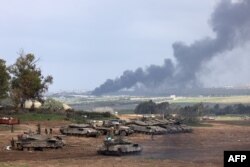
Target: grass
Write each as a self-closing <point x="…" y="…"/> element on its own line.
<point x="220" y="100"/>
<point x="4" y="127"/>
<point x="229" y="117"/>
<point x="39" y="116"/>
<point x="238" y="123"/>
<point x="232" y="119"/>
<point x="126" y="111"/>
<point x="199" y="124"/>
<point x="12" y="165"/>
<point x="74" y="117"/>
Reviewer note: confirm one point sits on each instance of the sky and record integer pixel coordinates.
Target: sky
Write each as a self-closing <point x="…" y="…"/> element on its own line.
<point x="82" y="43"/>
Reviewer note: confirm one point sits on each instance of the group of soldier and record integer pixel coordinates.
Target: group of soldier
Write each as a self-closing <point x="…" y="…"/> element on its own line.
<point x="45" y="130"/>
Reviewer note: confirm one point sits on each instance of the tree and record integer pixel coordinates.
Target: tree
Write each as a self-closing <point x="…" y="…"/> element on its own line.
<point x="191" y="114"/>
<point x="163" y="108"/>
<point x="4" y="80"/>
<point x="148" y="107"/>
<point x="52" y="105"/>
<point x="27" y="80"/>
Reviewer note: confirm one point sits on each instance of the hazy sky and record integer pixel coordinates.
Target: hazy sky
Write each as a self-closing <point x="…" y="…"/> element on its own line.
<point x="81" y="43"/>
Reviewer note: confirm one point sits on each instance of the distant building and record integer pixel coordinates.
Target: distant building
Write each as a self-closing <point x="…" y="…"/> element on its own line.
<point x="104" y="109"/>
<point x="173" y="97"/>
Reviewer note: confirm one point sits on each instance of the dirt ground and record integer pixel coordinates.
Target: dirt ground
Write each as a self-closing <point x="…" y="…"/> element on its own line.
<point x="204" y="147"/>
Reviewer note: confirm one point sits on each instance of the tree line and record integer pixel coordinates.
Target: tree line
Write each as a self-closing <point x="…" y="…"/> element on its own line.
<point x="190" y="113"/>
<point x="23" y="80"/>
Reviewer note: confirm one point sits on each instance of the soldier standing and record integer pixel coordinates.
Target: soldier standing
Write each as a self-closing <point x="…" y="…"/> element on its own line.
<point x="12" y="143"/>
<point x="50" y="131"/>
<point x="12" y="128"/>
<point x="38" y="129"/>
<point x="111" y="133"/>
<point x="152" y="135"/>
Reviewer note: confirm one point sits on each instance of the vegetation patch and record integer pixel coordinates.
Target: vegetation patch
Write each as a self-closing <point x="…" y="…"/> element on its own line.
<point x="200" y="124"/>
<point x="124" y="111"/>
<point x="237" y="122"/>
<point x="229" y="117"/>
<point x="13" y="165"/>
<point x="39" y="116"/>
<point x="4" y="127"/>
<point x="83" y="116"/>
<point x="214" y="100"/>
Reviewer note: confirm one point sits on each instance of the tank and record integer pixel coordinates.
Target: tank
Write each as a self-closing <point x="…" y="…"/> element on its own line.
<point x="79" y="130"/>
<point x="156" y="130"/>
<point x="125" y="131"/>
<point x="118" y="130"/>
<point x="177" y="128"/>
<point x="186" y="129"/>
<point x="37" y="142"/>
<point x="157" y="126"/>
<point x="119" y="147"/>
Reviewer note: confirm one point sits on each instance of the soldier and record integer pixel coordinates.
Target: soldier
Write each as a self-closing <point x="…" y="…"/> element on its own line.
<point x="12" y="128"/>
<point x="111" y="132"/>
<point x="12" y="143"/>
<point x="116" y="129"/>
<point x="109" y="138"/>
<point x="38" y="129"/>
<point x="152" y="134"/>
<point x="50" y="131"/>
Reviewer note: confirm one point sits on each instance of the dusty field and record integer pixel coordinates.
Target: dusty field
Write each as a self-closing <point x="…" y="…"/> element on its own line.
<point x="204" y="148"/>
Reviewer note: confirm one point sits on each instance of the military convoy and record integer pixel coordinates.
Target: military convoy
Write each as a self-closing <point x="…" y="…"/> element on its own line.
<point x="36" y="142"/>
<point x="111" y="128"/>
<point x="125" y="128"/>
<point x="118" y="147"/>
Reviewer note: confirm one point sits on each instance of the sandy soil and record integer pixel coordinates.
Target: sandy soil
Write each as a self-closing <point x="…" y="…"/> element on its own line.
<point x="204" y="147"/>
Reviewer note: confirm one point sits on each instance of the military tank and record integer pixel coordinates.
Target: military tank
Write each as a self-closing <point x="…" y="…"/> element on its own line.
<point x="119" y="130"/>
<point x="119" y="147"/>
<point x="37" y="142"/>
<point x="79" y="130"/>
<point x="155" y="130"/>
<point x="156" y="126"/>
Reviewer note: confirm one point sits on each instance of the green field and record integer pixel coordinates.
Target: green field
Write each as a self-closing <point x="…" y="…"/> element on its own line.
<point x="6" y="164"/>
<point x="219" y="100"/>
<point x="230" y="117"/>
<point x="39" y="116"/>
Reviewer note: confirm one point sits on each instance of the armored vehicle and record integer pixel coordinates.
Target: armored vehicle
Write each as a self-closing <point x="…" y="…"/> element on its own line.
<point x="155" y="130"/>
<point x="176" y="128"/>
<point x="119" y="147"/>
<point x="37" y="142"/>
<point x="186" y="129"/>
<point x="79" y="130"/>
<point x="118" y="130"/>
<point x="156" y="126"/>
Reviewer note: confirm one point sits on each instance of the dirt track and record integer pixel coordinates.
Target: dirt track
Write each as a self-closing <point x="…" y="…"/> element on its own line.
<point x="204" y="147"/>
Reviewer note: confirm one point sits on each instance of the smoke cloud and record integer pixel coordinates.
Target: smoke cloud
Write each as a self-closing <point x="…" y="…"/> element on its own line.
<point x="230" y="23"/>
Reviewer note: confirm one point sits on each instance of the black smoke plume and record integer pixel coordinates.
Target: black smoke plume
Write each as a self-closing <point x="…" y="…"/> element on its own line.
<point x="231" y="24"/>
